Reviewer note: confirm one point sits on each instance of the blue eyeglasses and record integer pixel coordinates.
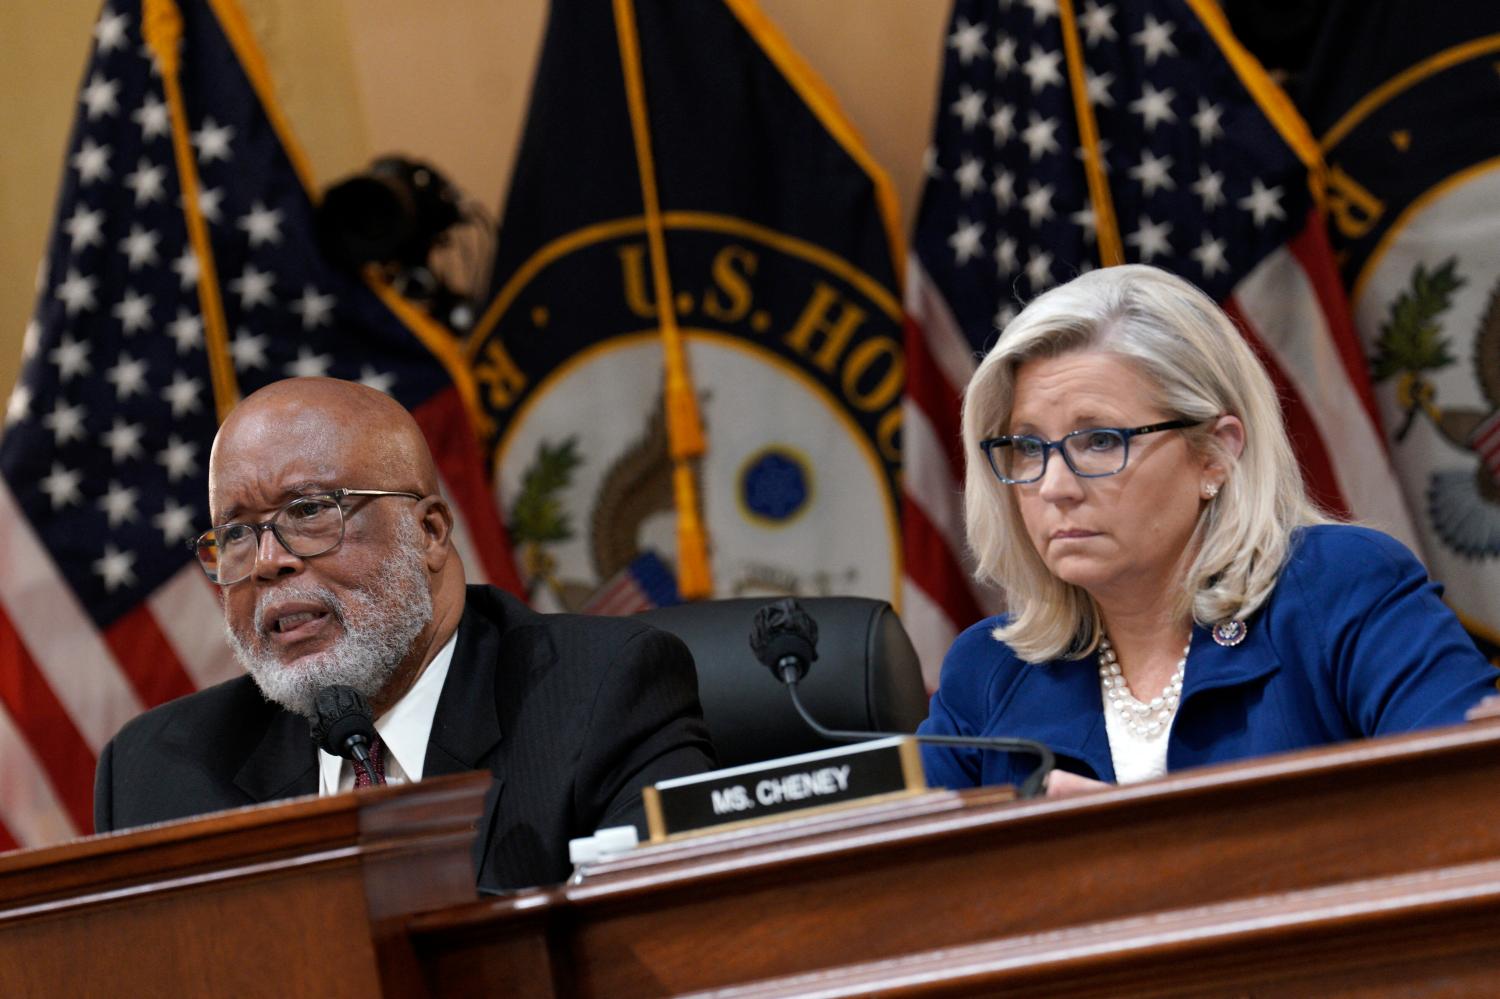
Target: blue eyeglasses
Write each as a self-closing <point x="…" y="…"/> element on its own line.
<point x="1091" y="453"/>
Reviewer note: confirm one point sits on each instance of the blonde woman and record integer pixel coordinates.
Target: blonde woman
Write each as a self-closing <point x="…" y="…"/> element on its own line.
<point x="1174" y="597"/>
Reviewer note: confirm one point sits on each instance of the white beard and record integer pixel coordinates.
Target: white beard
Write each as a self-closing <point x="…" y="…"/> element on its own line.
<point x="380" y="624"/>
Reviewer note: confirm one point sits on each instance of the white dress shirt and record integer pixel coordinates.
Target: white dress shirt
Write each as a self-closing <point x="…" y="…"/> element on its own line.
<point x="403" y="729"/>
<point x="1136" y="758"/>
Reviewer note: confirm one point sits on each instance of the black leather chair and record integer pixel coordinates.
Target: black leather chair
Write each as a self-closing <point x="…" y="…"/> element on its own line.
<point x="866" y="676"/>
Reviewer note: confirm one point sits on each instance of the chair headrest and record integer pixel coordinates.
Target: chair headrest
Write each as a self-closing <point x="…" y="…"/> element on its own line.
<point x="866" y="676"/>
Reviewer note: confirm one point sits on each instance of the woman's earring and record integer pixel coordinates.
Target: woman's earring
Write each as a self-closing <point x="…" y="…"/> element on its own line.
<point x="1210" y="491"/>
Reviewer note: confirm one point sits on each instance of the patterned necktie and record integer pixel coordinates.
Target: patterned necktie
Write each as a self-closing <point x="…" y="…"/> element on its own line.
<point x="374" y="773"/>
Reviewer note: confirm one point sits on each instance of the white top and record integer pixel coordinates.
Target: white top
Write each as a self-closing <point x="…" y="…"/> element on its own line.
<point x="404" y="730"/>
<point x="1136" y="757"/>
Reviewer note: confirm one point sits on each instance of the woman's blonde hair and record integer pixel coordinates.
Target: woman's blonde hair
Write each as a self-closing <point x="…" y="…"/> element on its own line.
<point x="1200" y="368"/>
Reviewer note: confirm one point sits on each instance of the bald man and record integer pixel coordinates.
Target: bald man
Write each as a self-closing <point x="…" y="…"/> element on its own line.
<point x="335" y="561"/>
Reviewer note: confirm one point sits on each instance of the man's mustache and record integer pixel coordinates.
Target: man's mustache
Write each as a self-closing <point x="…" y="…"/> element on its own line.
<point x="313" y="594"/>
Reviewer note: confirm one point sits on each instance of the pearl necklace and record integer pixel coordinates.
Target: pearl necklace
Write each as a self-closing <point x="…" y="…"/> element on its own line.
<point x="1146" y="720"/>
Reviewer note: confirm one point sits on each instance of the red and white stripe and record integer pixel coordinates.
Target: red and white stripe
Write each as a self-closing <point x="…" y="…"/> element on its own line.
<point x="1486" y="441"/>
<point x="478" y="534"/>
<point x="70" y="654"/>
<point x="187" y="609"/>
<point x="63" y="693"/>
<point x="621" y="596"/>
<point x="1292" y="310"/>
<point x="31" y="814"/>
<point x="939" y="597"/>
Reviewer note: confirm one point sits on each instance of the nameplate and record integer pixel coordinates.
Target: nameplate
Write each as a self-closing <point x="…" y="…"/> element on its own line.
<point x="757" y="791"/>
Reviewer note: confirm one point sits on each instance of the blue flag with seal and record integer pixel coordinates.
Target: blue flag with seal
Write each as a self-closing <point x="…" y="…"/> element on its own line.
<point x="1406" y="104"/>
<point x="692" y="359"/>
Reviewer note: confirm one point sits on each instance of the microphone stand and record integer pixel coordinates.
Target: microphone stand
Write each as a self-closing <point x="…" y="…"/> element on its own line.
<point x="1029" y="788"/>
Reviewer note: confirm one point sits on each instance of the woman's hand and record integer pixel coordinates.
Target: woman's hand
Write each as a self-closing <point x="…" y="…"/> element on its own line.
<point x="1062" y="784"/>
<point x="1487" y="708"/>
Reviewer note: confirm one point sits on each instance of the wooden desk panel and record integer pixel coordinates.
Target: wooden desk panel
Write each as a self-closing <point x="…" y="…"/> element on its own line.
<point x="755" y="907"/>
<point x="1362" y="870"/>
<point x="307" y="897"/>
<point x="1432" y="934"/>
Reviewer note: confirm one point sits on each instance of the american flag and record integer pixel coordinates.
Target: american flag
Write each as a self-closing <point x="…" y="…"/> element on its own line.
<point x="1209" y="173"/>
<point x="103" y="609"/>
<point x="645" y="583"/>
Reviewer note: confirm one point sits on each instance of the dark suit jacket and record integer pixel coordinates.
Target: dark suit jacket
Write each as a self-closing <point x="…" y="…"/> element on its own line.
<point x="572" y="715"/>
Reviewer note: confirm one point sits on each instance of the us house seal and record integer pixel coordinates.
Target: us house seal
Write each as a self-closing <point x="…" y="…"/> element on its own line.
<point x="796" y="366"/>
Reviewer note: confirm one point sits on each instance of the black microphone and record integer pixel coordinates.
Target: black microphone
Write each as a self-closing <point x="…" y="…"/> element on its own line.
<point x="784" y="638"/>
<point x="344" y="726"/>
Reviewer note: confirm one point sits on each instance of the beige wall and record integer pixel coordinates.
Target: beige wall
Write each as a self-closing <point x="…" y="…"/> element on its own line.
<point x="445" y="80"/>
<point x="42" y="50"/>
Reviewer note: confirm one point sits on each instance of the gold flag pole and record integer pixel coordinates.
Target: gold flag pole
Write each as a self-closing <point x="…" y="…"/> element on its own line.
<point x="1106" y="226"/>
<point x="684" y="425"/>
<point x="161" y="24"/>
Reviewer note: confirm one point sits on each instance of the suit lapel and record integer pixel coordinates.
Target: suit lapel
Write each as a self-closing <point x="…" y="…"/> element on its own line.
<point x="466" y="725"/>
<point x="1212" y="666"/>
<point x="284" y="764"/>
<point x="1059" y="704"/>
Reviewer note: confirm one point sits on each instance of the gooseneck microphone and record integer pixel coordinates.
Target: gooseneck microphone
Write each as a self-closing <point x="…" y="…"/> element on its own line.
<point x="784" y="637"/>
<point x="344" y="726"/>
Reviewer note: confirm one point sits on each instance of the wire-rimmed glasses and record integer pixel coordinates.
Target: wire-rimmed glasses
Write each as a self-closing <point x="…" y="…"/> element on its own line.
<point x="306" y="526"/>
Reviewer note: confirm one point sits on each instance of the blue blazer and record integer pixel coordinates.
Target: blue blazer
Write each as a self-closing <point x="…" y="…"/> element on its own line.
<point x="1354" y="641"/>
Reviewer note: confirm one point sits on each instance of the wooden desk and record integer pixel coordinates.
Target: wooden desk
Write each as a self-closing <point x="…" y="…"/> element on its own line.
<point x="304" y="898"/>
<point x="1362" y="870"/>
<point x="1366" y="869"/>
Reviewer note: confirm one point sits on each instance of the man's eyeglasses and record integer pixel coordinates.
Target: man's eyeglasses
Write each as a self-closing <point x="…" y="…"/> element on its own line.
<point x="1091" y="453"/>
<point x="307" y="526"/>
